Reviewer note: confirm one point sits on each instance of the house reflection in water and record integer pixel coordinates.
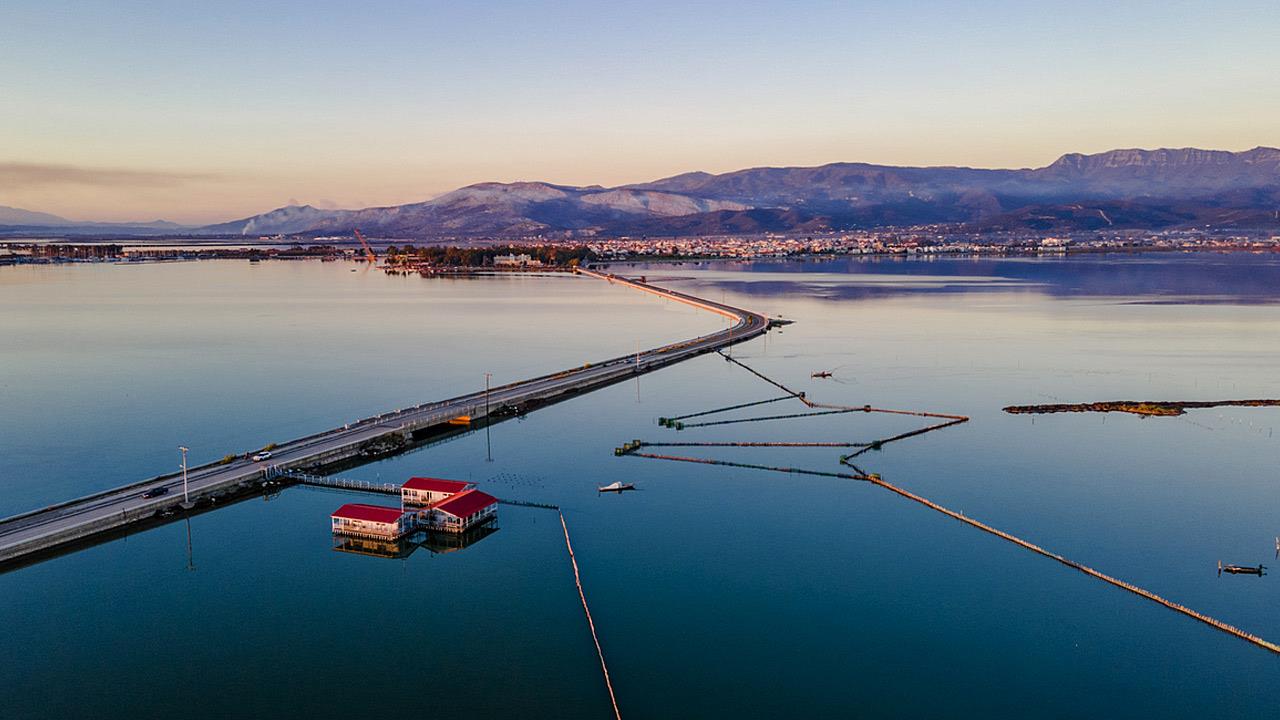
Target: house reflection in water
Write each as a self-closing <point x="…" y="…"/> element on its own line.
<point x="398" y="549"/>
<point x="401" y="548"/>
<point x="447" y="542"/>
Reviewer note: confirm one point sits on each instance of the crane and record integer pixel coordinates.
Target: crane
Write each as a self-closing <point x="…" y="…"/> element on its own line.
<point x="368" y="251"/>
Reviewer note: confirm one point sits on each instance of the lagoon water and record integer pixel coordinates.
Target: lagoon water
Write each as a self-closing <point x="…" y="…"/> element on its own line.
<point x="717" y="592"/>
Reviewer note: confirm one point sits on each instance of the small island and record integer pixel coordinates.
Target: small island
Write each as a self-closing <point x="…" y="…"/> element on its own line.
<point x="1145" y="408"/>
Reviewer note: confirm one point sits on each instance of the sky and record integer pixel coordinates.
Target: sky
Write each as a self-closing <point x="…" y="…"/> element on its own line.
<point x="204" y="112"/>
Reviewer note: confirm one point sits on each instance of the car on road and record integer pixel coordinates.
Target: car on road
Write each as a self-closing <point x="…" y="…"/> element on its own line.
<point x="156" y="492"/>
<point x="264" y="455"/>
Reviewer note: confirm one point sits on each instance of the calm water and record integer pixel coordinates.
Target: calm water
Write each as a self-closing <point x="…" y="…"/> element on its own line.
<point x="718" y="592"/>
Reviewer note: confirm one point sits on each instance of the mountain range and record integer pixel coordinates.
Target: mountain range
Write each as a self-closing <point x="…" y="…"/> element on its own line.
<point x="18" y="221"/>
<point x="1149" y="189"/>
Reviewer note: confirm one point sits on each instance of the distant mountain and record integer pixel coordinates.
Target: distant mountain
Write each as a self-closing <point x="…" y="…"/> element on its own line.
<point x="16" y="221"/>
<point x="1131" y="188"/>
<point x="288" y="219"/>
<point x="492" y="209"/>
<point x="18" y="216"/>
<point x="1185" y="172"/>
<point x="729" y="222"/>
<point x="1114" y="175"/>
<point x="1116" y="189"/>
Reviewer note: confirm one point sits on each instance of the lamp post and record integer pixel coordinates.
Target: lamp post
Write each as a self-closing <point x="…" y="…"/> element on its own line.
<point x="488" y="446"/>
<point x="186" y="498"/>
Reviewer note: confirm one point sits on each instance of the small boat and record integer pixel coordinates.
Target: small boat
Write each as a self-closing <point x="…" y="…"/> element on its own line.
<point x="616" y="487"/>
<point x="821" y="374"/>
<point x="1242" y="569"/>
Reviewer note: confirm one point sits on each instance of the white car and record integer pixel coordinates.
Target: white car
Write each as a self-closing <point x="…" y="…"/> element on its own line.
<point x="264" y="455"/>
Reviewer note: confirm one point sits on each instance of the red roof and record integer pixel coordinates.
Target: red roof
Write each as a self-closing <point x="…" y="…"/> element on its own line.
<point x="436" y="485"/>
<point x="370" y="513"/>
<point x="467" y="503"/>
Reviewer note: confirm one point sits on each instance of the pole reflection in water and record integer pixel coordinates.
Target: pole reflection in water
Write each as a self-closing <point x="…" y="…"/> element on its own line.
<point x="191" y="565"/>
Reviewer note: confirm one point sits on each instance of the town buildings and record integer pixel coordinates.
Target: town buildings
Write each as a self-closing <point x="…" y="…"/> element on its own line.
<point x="513" y="260"/>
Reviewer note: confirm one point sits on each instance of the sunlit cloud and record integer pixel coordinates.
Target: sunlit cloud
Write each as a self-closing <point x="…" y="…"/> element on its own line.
<point x="22" y="176"/>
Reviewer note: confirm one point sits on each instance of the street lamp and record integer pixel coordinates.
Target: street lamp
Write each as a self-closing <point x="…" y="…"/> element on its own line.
<point x="186" y="498"/>
<point x="488" y="446"/>
<point x="486" y="394"/>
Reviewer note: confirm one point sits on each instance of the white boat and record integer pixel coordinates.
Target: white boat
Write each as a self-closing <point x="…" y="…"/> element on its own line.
<point x="616" y="487"/>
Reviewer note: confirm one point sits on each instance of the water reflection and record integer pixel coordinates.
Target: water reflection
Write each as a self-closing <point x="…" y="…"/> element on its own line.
<point x="434" y="542"/>
<point x="1159" y="278"/>
<point x="440" y="543"/>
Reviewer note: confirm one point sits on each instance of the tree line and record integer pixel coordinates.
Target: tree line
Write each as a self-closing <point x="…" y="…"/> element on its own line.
<point x="553" y="255"/>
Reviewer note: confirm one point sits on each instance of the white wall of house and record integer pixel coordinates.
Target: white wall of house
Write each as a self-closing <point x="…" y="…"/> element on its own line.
<point x="441" y="520"/>
<point x="370" y="527"/>
<point x="414" y="496"/>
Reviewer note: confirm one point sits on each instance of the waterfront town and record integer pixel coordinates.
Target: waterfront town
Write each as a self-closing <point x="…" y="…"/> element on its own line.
<point x="539" y="254"/>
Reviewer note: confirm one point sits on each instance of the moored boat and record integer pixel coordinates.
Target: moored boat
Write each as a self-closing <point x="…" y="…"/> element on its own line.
<point x="1241" y="569"/>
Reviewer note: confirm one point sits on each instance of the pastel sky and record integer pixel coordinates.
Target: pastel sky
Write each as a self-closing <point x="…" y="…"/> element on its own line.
<point x="200" y="112"/>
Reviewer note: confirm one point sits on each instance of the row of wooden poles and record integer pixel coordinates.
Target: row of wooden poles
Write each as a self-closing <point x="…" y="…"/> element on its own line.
<point x="577" y="580"/>
<point x="1141" y="592"/>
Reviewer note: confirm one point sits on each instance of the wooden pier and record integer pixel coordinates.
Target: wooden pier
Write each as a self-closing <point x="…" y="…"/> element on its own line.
<point x="352" y="485"/>
<point x="335" y="483"/>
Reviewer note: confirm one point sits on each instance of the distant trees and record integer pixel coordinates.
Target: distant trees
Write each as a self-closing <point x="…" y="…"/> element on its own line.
<point x="453" y="256"/>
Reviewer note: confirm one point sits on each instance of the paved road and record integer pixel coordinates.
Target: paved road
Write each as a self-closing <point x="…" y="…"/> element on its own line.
<point x="58" y="524"/>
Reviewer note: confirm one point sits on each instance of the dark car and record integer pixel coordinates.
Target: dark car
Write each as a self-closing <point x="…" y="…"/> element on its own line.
<point x="156" y="492"/>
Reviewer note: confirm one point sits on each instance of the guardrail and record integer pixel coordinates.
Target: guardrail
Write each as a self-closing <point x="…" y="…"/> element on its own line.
<point x="334" y="482"/>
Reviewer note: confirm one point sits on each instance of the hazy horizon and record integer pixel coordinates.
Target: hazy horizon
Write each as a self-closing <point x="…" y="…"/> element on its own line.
<point x="129" y="112"/>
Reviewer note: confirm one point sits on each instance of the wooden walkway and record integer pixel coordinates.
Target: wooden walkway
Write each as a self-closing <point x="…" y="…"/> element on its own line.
<point x="337" y="483"/>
